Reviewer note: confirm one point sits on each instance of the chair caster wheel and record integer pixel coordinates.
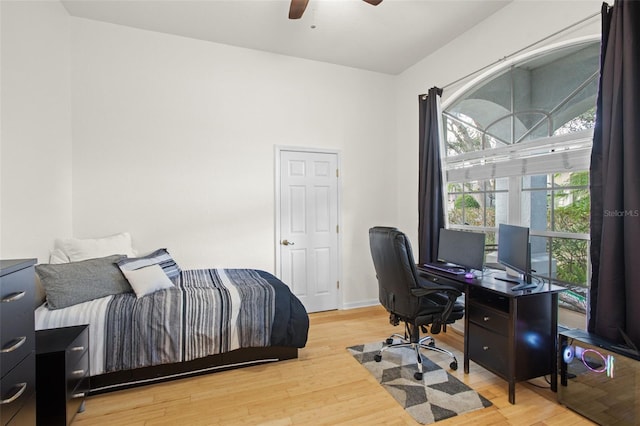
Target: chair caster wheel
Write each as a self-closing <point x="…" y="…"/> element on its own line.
<point x="389" y="341"/>
<point x="377" y="358"/>
<point x="454" y="365"/>
<point x="417" y="375"/>
<point x="432" y="344"/>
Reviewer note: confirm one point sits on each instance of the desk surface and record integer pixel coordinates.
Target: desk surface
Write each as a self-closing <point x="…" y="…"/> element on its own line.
<point x="487" y="281"/>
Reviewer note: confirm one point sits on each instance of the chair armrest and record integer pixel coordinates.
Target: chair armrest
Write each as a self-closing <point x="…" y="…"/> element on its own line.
<point x="450" y="293"/>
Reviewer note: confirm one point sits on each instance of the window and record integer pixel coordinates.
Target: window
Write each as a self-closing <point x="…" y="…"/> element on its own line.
<point x="517" y="148"/>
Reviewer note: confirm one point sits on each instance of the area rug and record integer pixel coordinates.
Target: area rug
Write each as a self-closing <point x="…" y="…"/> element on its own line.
<point x="439" y="396"/>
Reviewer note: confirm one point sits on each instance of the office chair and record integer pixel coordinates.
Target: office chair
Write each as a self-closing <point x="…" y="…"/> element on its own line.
<point x="409" y="298"/>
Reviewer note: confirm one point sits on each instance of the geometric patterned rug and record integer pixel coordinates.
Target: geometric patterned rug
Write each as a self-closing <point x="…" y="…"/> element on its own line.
<point x="439" y="396"/>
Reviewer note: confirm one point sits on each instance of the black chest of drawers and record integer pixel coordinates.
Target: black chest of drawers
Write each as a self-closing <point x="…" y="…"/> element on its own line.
<point x="62" y="373"/>
<point x="17" y="342"/>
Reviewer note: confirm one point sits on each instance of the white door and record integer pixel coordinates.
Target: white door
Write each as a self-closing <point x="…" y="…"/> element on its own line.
<point x="308" y="240"/>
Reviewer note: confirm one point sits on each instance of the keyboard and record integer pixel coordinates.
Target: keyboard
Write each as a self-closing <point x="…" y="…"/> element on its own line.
<point x="442" y="267"/>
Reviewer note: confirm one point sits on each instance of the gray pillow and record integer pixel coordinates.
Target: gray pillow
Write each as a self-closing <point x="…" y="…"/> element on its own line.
<point x="68" y="284"/>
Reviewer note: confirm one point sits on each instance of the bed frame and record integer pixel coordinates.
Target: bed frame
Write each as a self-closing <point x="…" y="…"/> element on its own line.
<point x="238" y="358"/>
<point x="226" y="361"/>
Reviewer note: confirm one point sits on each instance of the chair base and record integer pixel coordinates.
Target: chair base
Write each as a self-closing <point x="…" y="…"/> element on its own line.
<point x="427" y="342"/>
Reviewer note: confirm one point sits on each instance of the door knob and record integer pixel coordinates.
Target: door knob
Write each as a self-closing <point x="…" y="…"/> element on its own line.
<point x="287" y="243"/>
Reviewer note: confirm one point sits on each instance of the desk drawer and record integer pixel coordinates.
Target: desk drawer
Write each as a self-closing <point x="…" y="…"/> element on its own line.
<point x="489" y="318"/>
<point x="488" y="349"/>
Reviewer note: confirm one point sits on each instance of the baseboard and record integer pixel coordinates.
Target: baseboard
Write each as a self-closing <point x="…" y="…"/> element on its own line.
<point x="360" y="304"/>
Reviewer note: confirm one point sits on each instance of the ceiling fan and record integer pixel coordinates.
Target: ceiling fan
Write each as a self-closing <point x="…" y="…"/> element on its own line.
<point x="298" y="6"/>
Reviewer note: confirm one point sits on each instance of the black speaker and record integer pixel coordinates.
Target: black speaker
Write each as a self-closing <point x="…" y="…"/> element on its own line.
<point x="599" y="379"/>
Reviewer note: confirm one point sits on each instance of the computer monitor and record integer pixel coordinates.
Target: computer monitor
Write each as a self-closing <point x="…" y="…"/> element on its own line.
<point x="514" y="249"/>
<point x="462" y="248"/>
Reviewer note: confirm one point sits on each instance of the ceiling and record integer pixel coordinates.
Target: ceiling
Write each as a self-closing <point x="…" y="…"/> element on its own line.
<point x="388" y="38"/>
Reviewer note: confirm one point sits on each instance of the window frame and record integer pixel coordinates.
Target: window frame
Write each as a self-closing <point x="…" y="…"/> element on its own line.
<point x="564" y="153"/>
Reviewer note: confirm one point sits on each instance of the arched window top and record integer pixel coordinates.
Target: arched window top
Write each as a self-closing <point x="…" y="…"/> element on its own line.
<point x="546" y="95"/>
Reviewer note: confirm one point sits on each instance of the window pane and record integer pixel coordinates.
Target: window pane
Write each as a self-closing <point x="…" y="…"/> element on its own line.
<point x="583" y="121"/>
<point x="541" y="262"/>
<point x="461" y="136"/>
<point x="455" y="216"/>
<point x="571" y="211"/>
<point x="535" y="182"/>
<point x="565" y="260"/>
<point x="477" y="203"/>
<point x="535" y="203"/>
<point x="574" y="179"/>
<point x="532" y="125"/>
<point x="558" y="202"/>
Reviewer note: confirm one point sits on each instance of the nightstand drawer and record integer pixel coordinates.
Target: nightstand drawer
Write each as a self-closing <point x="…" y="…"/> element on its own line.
<point x="491" y="319"/>
<point x="77" y="349"/>
<point x="77" y="397"/>
<point x="488" y="349"/>
<point x="77" y="373"/>
<point x="17" y="387"/>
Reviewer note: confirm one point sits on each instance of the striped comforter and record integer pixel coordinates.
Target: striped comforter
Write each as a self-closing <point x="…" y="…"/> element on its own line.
<point x="209" y="311"/>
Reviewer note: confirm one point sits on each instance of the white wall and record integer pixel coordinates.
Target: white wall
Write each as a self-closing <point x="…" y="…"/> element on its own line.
<point x="173" y="138"/>
<point x="173" y="141"/>
<point x="518" y="25"/>
<point x="35" y="169"/>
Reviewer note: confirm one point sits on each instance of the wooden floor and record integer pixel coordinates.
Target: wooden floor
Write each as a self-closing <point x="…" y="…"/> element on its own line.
<point x="325" y="385"/>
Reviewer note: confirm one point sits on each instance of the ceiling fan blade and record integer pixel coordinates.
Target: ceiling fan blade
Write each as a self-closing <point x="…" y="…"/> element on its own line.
<point x="297" y="8"/>
<point x="373" y="2"/>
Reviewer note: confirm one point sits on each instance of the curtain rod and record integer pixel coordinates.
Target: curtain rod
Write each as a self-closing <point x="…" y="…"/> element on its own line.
<point x="521" y="50"/>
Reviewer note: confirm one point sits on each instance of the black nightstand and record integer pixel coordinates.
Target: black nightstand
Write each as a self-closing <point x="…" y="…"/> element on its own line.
<point x="62" y="373"/>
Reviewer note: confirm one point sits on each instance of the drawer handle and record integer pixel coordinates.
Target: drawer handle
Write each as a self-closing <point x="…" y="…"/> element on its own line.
<point x="77" y="349"/>
<point x="485" y="348"/>
<point x="78" y="395"/>
<point x="13" y="297"/>
<point x="78" y="372"/>
<point x="486" y="319"/>
<point x="18" y="342"/>
<point x="21" y="388"/>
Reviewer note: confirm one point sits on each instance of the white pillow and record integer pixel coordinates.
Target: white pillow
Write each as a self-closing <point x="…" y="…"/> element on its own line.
<point x="57" y="257"/>
<point x="147" y="280"/>
<point x="78" y="249"/>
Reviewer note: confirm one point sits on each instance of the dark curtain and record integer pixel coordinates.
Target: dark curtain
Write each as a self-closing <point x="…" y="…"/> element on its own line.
<point x="430" y="191"/>
<point x="615" y="179"/>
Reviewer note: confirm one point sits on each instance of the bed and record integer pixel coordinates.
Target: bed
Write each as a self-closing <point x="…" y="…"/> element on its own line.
<point x="150" y="321"/>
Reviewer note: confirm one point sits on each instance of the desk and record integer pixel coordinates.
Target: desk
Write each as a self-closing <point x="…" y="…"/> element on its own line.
<point x="513" y="334"/>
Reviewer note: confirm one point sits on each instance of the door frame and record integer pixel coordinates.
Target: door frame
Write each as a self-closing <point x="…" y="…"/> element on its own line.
<point x="276" y="240"/>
